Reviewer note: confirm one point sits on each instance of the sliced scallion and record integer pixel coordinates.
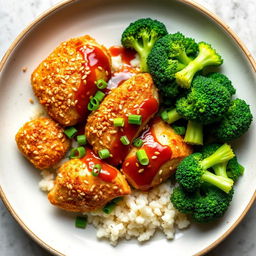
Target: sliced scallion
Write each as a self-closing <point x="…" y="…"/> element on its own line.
<point x="101" y="84"/>
<point x="118" y="122"/>
<point x="96" y="170"/>
<point x="93" y="104"/>
<point x="81" y="139"/>
<point x="142" y="157"/>
<point x="104" y="153"/>
<point x="99" y="95"/>
<point x="70" y="132"/>
<point x="135" y="119"/>
<point x="81" y="221"/>
<point x="78" y="152"/>
<point x="125" y="140"/>
<point x="138" y="143"/>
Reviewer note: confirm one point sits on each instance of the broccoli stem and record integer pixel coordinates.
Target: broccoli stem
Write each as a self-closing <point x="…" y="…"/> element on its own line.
<point x="222" y="154"/>
<point x="222" y="183"/>
<point x="173" y="116"/>
<point x="183" y="58"/>
<point x="221" y="169"/>
<point x="194" y="133"/>
<point x="207" y="56"/>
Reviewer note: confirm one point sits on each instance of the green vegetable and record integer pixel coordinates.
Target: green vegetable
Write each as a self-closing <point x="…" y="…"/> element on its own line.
<point x="119" y="122"/>
<point x="204" y="205"/>
<point x="135" y="119"/>
<point x="110" y="206"/>
<point x="141" y="36"/>
<point x="77" y="153"/>
<point x="99" y="95"/>
<point x="81" y="139"/>
<point x="192" y="171"/>
<point x="137" y="142"/>
<point x="125" y="141"/>
<point x="180" y="130"/>
<point x="101" y="84"/>
<point x="235" y="122"/>
<point x="96" y="170"/>
<point x="194" y="133"/>
<point x="93" y="104"/>
<point x="104" y="153"/>
<point x="81" y="221"/>
<point x="142" y="157"/>
<point x="169" y="55"/>
<point x="70" y="132"/>
<point x="207" y="56"/>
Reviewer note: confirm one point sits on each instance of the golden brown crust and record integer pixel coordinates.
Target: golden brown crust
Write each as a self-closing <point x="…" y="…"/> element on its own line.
<point x="100" y="130"/>
<point x="77" y="190"/>
<point x="42" y="142"/>
<point x="56" y="80"/>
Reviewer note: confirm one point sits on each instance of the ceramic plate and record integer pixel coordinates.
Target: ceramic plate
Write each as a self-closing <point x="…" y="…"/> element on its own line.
<point x="105" y="20"/>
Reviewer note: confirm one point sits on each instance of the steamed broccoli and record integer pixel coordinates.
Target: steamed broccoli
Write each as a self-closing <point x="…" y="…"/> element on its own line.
<point x="207" y="56"/>
<point x="192" y="171"/>
<point x="169" y="55"/>
<point x="207" y="102"/>
<point x="231" y="169"/>
<point x="224" y="81"/>
<point x="206" y="204"/>
<point x="235" y="122"/>
<point x="141" y="36"/>
<point x="180" y="130"/>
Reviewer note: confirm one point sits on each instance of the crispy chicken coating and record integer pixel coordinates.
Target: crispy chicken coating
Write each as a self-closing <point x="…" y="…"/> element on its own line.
<point x="42" y="142"/>
<point x="137" y="95"/>
<point x="165" y="150"/>
<point x="77" y="190"/>
<point x="65" y="80"/>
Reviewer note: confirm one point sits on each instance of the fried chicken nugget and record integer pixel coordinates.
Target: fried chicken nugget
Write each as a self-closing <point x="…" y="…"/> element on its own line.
<point x="42" y="142"/>
<point x="165" y="150"/>
<point x="78" y="190"/>
<point x="65" y="80"/>
<point x="136" y="96"/>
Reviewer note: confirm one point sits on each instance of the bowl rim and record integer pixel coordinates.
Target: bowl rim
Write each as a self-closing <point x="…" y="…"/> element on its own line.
<point x="64" y="3"/>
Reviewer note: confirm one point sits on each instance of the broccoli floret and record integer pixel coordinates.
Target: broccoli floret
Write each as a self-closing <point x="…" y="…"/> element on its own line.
<point x="169" y="55"/>
<point x="234" y="169"/>
<point x="192" y="171"/>
<point x="180" y="130"/>
<point x="141" y="36"/>
<point x="235" y="122"/>
<point x="231" y="169"/>
<point x="183" y="201"/>
<point x="170" y="91"/>
<point x="212" y="204"/>
<point x="224" y="81"/>
<point x="207" y="56"/>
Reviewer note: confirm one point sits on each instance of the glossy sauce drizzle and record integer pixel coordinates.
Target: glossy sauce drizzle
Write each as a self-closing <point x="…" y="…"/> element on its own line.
<point x="144" y="175"/>
<point x="119" y="151"/>
<point x="107" y="173"/>
<point x="127" y="55"/>
<point x="95" y="60"/>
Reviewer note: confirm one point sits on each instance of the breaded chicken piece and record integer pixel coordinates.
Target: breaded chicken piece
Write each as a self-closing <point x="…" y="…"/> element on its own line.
<point x="65" y="80"/>
<point x="165" y="150"/>
<point x="77" y="190"/>
<point x="137" y="95"/>
<point x="42" y="142"/>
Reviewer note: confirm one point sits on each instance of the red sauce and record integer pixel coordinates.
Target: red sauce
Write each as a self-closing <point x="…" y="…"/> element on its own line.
<point x="127" y="55"/>
<point x="108" y="173"/>
<point x="131" y="166"/>
<point x="119" y="151"/>
<point x="94" y="58"/>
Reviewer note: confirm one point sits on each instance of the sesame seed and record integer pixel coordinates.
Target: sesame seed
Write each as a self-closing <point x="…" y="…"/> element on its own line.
<point x="141" y="170"/>
<point x="127" y="164"/>
<point x="154" y="157"/>
<point x="161" y="172"/>
<point x="157" y="153"/>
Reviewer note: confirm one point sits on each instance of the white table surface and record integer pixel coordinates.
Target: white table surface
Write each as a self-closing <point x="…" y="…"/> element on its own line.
<point x="17" y="14"/>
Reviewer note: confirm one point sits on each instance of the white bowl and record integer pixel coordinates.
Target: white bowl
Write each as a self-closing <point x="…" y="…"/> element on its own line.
<point x="105" y="20"/>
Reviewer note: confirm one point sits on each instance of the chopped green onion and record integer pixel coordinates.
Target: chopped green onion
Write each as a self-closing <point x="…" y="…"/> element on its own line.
<point x="70" y="132"/>
<point x="125" y="140"/>
<point x="81" y="222"/>
<point x="104" y="153"/>
<point x="81" y="139"/>
<point x="109" y="207"/>
<point x="93" y="104"/>
<point x="138" y="143"/>
<point x="99" y="95"/>
<point x="96" y="170"/>
<point x="117" y="199"/>
<point x="164" y="115"/>
<point x="142" y="157"/>
<point x="119" y="121"/>
<point x="78" y="152"/>
<point x="135" y="119"/>
<point x="101" y="84"/>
